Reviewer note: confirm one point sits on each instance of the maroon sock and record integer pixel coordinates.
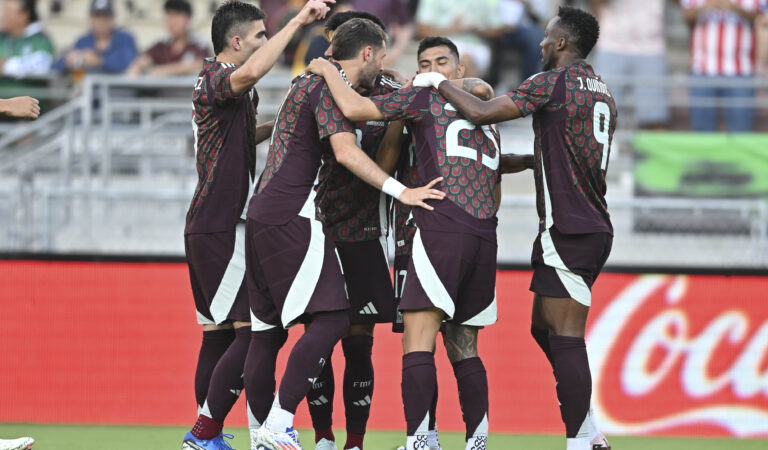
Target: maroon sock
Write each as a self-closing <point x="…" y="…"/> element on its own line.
<point x="227" y="378"/>
<point x="206" y="428"/>
<point x="326" y="433"/>
<point x="260" y="371"/>
<point x="574" y="381"/>
<point x="309" y="355"/>
<point x="358" y="386"/>
<point x="542" y="338"/>
<point x="215" y="343"/>
<point x="473" y="392"/>
<point x="433" y="411"/>
<point x="320" y="402"/>
<point x="418" y="387"/>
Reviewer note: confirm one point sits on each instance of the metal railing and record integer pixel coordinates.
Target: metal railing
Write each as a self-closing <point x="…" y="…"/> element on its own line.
<point x="112" y="170"/>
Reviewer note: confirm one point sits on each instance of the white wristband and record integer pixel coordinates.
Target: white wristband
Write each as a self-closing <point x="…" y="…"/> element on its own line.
<point x="393" y="187"/>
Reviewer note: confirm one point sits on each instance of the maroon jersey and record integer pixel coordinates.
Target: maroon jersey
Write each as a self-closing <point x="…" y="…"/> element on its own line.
<point x="408" y="174"/>
<point x="305" y="121"/>
<point x="448" y="146"/>
<point x="163" y="52"/>
<point x="225" y="146"/>
<point x="354" y="210"/>
<point x="574" y="117"/>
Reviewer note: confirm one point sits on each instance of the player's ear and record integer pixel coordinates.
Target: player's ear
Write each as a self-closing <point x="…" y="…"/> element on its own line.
<point x="460" y="71"/>
<point x="561" y="43"/>
<point x="235" y="43"/>
<point x="368" y="53"/>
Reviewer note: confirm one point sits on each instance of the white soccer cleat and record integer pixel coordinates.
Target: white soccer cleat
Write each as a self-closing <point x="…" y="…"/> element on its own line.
<point x="277" y="440"/>
<point x="22" y="443"/>
<point x="325" y="444"/>
<point x="600" y="443"/>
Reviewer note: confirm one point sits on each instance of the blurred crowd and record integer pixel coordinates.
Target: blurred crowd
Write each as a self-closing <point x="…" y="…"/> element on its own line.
<point x="728" y="41"/>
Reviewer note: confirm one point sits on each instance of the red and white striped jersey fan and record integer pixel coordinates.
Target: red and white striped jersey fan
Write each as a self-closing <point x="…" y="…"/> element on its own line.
<point x="723" y="42"/>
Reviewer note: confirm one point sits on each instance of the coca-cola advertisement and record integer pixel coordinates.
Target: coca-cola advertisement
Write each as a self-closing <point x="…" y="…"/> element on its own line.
<point x="679" y="355"/>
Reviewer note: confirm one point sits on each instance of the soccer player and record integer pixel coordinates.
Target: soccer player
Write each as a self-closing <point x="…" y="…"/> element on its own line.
<point x="355" y="213"/>
<point x="574" y="118"/>
<point x="451" y="274"/>
<point x="226" y="136"/>
<point x="293" y="273"/>
<point x="21" y="107"/>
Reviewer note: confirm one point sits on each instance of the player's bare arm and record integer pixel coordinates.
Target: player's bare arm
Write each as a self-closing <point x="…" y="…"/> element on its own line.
<point x="264" y="131"/>
<point x="389" y="149"/>
<point x="478" y="111"/>
<point x="348" y="154"/>
<point x="511" y="163"/>
<point x="262" y="60"/>
<point x="354" y="106"/>
<point x="23" y="107"/>
<point x="474" y="86"/>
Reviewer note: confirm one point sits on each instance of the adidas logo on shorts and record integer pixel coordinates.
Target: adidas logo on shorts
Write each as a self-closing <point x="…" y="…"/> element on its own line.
<point x="368" y="310"/>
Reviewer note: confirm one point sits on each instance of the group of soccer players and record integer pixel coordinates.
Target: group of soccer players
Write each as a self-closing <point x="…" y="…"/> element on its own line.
<point x="305" y="242"/>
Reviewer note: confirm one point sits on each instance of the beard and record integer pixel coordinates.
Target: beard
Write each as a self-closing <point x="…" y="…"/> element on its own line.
<point x="368" y="74"/>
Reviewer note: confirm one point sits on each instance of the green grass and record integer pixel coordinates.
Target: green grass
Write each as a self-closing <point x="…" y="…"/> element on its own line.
<point x="80" y="437"/>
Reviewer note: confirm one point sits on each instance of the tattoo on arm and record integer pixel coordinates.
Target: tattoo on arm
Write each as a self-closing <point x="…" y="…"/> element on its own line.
<point x="460" y="341"/>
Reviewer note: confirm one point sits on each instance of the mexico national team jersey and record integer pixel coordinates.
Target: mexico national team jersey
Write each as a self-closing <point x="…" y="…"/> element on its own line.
<point x="354" y="210"/>
<point x="225" y="147"/>
<point x="574" y="117"/>
<point x="407" y="173"/>
<point x="448" y="146"/>
<point x="305" y="121"/>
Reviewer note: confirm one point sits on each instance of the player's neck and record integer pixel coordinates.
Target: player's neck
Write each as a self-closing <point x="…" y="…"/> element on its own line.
<point x="226" y="58"/>
<point x="351" y="72"/>
<point x="568" y="59"/>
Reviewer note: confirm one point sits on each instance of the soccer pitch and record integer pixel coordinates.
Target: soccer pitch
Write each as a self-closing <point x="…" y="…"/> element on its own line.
<point x="81" y="437"/>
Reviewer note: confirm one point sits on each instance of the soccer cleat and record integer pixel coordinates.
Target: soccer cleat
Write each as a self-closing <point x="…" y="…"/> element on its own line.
<point x="325" y="444"/>
<point x="218" y="443"/>
<point x="22" y="443"/>
<point x="600" y="443"/>
<point x="277" y="440"/>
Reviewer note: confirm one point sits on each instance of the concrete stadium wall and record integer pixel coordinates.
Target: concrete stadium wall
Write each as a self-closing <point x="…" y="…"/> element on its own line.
<point x="116" y="343"/>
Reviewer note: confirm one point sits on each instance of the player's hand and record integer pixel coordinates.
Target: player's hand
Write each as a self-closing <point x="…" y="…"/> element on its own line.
<point x="313" y="10"/>
<point x="320" y="66"/>
<point x="429" y="79"/>
<point x="24" y="107"/>
<point x="417" y="196"/>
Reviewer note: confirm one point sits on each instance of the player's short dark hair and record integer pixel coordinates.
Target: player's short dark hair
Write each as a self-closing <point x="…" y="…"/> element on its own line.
<point x="30" y="7"/>
<point x="581" y="26"/>
<point x="354" y="35"/>
<point x="338" y="19"/>
<point x="438" y="41"/>
<point x="230" y="19"/>
<point x="180" y="6"/>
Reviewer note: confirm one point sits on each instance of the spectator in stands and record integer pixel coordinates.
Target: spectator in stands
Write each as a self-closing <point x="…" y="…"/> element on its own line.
<point x="467" y="23"/>
<point x="722" y="51"/>
<point x="397" y="17"/>
<point x="181" y="53"/>
<point x="638" y="54"/>
<point x="24" y="48"/>
<point x="762" y="44"/>
<point x="105" y="49"/>
<point x="523" y="32"/>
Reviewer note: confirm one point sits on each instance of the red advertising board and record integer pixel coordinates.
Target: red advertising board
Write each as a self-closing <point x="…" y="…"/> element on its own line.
<point x="115" y="343"/>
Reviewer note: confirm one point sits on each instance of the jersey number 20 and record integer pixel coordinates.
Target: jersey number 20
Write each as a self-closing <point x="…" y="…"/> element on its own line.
<point x="454" y="149"/>
<point x="601" y="123"/>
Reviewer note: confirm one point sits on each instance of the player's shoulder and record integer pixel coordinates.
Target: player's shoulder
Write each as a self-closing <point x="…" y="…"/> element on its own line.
<point x="547" y="77"/>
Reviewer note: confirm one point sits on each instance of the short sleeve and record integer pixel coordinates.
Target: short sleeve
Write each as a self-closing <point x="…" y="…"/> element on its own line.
<point x="535" y="93"/>
<point x="329" y="118"/>
<point x="221" y="88"/>
<point x="410" y="103"/>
